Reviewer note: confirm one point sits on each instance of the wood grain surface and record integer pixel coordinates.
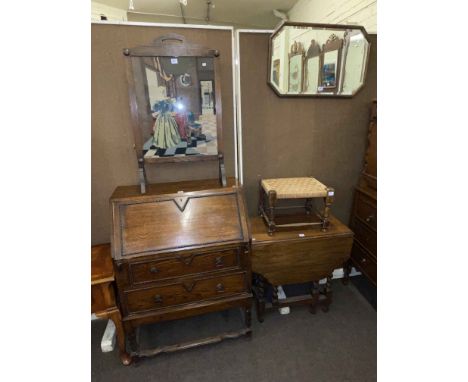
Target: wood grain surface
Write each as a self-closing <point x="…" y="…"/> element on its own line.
<point x="101" y="264"/>
<point x="299" y="255"/>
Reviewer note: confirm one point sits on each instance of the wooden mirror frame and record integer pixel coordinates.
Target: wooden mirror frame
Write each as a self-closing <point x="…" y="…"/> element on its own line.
<point x="310" y="54"/>
<point x="170" y="45"/>
<point x="332" y="27"/>
<point x="331" y="45"/>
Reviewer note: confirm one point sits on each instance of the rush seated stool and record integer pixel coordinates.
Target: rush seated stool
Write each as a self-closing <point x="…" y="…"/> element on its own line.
<point x="271" y="191"/>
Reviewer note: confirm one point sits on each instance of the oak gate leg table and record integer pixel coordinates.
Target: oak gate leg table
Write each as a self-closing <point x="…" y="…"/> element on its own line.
<point x="298" y="255"/>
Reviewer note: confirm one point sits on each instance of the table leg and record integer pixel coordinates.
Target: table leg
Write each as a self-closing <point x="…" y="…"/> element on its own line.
<point x="328" y="294"/>
<point x="248" y="320"/>
<point x="274" y="300"/>
<point x="315" y="292"/>
<point x="120" y="333"/>
<point x="260" y="298"/>
<point x="346" y="271"/>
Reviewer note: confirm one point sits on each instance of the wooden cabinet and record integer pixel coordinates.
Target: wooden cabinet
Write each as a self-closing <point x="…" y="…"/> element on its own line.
<point x="180" y="250"/>
<point x="364" y="214"/>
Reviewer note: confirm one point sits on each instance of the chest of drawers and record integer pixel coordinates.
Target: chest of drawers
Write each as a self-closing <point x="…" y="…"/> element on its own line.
<point x="180" y="250"/>
<point x="364" y="214"/>
<point x="364" y="225"/>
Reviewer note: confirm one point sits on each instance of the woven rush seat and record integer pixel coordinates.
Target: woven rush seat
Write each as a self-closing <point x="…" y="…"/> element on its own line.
<point x="295" y="188"/>
<point x="272" y="191"/>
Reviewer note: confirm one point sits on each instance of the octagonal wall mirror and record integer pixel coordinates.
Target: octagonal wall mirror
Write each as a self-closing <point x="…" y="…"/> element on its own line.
<point x="318" y="60"/>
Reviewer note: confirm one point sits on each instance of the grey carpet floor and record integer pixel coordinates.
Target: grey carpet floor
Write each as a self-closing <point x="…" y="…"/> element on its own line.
<point x="340" y="345"/>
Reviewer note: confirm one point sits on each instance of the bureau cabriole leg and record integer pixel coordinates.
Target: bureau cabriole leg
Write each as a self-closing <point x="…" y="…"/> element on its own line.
<point x="315" y="292"/>
<point x="120" y="333"/>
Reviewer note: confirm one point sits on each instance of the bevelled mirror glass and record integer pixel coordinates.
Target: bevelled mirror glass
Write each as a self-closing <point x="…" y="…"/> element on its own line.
<point x="318" y="59"/>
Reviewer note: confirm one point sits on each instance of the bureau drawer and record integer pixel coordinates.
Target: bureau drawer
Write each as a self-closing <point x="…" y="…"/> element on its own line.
<point x="180" y="265"/>
<point x="366" y="209"/>
<point x="365" y="236"/>
<point x="185" y="291"/>
<point x="365" y="262"/>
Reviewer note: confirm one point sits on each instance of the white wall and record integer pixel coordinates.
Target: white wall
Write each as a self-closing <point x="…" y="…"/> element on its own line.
<point x="356" y="12"/>
<point x="112" y="13"/>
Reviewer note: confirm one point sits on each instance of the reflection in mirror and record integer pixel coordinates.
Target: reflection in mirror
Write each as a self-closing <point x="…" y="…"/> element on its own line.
<point x="179" y="94"/>
<point x="317" y="59"/>
<point x="296" y="60"/>
<point x="312" y="68"/>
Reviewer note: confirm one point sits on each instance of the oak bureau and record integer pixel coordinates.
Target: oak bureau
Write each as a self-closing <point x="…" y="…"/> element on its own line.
<point x="179" y="250"/>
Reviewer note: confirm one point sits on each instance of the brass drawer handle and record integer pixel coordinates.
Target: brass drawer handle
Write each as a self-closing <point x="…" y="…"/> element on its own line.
<point x="220" y="287"/>
<point x="219" y="262"/>
<point x="369" y="218"/>
<point x="154" y="270"/>
<point x="158" y="299"/>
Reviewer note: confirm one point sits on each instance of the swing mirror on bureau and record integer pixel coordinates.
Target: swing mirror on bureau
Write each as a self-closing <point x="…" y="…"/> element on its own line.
<point x="175" y="103"/>
<point x="318" y="60"/>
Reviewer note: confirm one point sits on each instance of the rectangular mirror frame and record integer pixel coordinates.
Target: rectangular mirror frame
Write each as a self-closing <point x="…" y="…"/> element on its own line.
<point x="170" y="45"/>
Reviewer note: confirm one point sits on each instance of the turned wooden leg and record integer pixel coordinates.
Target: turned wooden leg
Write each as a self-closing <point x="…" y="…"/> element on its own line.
<point x="274" y="300"/>
<point x="261" y="290"/>
<point x="120" y="334"/>
<point x="328" y="201"/>
<point x="315" y="292"/>
<point x="346" y="271"/>
<point x="271" y="211"/>
<point x="308" y="206"/>
<point x="326" y="214"/>
<point x="260" y="198"/>
<point x="248" y="317"/>
<point x="328" y="295"/>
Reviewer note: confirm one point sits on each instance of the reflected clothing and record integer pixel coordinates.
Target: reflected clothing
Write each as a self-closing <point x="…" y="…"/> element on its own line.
<point x="166" y="132"/>
<point x="181" y="120"/>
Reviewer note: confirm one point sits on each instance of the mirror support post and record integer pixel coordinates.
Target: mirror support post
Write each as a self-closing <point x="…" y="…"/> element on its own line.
<point x="142" y="175"/>
<point x="222" y="171"/>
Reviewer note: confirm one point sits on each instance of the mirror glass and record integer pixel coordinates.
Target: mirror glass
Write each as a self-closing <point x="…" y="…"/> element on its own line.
<point x="179" y="95"/>
<point x="318" y="60"/>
